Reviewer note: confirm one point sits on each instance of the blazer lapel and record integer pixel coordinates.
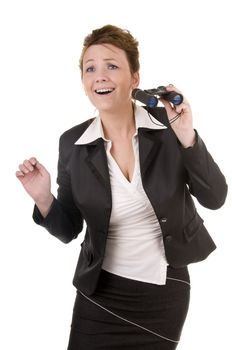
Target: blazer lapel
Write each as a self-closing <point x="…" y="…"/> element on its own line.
<point x="97" y="162"/>
<point x="150" y="142"/>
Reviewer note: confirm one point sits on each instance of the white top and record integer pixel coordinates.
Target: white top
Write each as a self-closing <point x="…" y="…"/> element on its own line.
<point x="134" y="247"/>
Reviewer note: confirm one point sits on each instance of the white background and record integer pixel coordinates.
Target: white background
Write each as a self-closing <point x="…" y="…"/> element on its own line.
<point x="186" y="43"/>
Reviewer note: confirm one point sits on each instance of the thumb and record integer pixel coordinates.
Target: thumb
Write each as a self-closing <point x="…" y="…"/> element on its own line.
<point x="40" y="168"/>
<point x="168" y="107"/>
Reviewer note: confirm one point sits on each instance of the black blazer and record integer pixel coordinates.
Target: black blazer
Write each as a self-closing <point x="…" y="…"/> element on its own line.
<point x="170" y="175"/>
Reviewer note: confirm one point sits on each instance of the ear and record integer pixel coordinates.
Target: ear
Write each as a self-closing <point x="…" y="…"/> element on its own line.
<point x="135" y="80"/>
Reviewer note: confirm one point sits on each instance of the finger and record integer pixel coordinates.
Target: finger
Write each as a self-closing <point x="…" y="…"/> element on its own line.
<point x="39" y="166"/>
<point x="179" y="108"/>
<point x="33" y="160"/>
<point x="171" y="87"/>
<point x="23" y="169"/>
<point x="28" y="165"/>
<point x="19" y="174"/>
<point x="183" y="107"/>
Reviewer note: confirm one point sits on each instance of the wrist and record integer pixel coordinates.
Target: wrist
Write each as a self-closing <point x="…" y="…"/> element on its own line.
<point x="188" y="139"/>
<point x="44" y="204"/>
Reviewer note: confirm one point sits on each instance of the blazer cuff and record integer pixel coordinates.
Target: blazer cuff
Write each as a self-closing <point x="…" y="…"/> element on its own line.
<point x="38" y="217"/>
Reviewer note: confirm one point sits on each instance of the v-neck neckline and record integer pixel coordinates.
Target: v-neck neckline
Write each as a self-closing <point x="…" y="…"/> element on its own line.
<point x="122" y="176"/>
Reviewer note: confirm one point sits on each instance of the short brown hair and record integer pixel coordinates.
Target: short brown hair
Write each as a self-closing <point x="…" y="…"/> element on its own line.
<point x="118" y="37"/>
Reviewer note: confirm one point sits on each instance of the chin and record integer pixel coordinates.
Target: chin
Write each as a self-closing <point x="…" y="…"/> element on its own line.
<point x="105" y="107"/>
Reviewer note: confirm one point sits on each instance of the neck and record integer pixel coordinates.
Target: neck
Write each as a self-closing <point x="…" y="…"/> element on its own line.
<point x="119" y="124"/>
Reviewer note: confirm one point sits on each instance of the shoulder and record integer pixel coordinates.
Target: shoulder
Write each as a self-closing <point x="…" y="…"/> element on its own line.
<point x="70" y="136"/>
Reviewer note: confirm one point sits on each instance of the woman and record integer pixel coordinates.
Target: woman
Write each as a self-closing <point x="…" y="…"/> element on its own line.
<point x="129" y="173"/>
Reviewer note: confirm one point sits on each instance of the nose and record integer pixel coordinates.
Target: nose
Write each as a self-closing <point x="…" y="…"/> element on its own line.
<point x="101" y="75"/>
<point x="101" y="78"/>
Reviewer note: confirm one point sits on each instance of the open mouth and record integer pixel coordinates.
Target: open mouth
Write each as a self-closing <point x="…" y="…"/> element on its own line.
<point x="104" y="91"/>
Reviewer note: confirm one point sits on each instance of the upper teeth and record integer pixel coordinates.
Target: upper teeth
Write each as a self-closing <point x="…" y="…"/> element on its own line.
<point x="104" y="90"/>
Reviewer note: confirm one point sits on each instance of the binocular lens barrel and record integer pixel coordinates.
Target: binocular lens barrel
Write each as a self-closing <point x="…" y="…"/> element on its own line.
<point x="173" y="97"/>
<point x="148" y="99"/>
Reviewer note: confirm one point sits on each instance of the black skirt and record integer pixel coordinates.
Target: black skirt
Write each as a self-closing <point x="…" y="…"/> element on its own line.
<point x="129" y="314"/>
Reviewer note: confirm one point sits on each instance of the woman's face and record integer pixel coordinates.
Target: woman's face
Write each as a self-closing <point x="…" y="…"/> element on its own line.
<point x="107" y="78"/>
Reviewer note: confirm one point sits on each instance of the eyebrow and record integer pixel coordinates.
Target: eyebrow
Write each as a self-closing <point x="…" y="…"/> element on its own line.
<point x="105" y="59"/>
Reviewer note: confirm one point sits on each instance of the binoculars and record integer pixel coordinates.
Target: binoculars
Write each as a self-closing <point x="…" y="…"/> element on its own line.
<point x="150" y="99"/>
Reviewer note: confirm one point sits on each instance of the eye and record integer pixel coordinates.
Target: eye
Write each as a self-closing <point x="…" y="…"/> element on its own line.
<point x="90" y="69"/>
<point x="112" y="66"/>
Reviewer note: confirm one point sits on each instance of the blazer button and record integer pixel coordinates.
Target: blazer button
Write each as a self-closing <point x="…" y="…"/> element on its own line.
<point x="168" y="238"/>
<point x="163" y="220"/>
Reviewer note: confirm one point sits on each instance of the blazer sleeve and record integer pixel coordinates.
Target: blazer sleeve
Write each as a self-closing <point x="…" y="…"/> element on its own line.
<point x="205" y="180"/>
<point x="64" y="219"/>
